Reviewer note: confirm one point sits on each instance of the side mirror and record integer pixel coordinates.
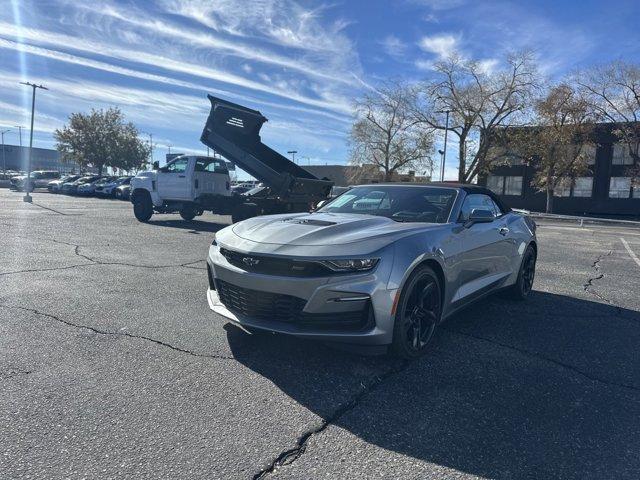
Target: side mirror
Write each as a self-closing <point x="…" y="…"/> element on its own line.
<point x="479" y="216"/>
<point x="156" y="165"/>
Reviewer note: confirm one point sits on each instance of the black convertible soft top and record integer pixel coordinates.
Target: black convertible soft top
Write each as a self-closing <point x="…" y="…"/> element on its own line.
<point x="467" y="187"/>
<point x="471" y="189"/>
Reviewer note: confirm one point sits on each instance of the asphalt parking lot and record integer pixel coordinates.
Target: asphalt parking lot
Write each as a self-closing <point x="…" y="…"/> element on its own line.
<point x="112" y="365"/>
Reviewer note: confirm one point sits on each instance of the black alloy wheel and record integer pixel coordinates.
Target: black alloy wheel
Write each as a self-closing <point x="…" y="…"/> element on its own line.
<point x="524" y="284"/>
<point x="418" y="314"/>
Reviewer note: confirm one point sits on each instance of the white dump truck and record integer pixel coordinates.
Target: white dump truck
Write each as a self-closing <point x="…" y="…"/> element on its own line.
<point x="191" y="185"/>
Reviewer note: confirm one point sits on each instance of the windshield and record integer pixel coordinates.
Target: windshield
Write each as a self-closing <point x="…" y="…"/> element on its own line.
<point x="397" y="202"/>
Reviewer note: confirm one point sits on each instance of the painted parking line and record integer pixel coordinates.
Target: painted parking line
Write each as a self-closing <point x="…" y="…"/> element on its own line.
<point x="631" y="253"/>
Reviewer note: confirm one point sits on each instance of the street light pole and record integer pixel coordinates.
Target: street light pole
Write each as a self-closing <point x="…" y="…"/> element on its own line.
<point x="27" y="197"/>
<point x="293" y="155"/>
<point x="4" y="160"/>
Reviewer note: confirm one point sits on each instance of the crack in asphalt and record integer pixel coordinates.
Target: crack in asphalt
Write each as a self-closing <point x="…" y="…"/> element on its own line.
<point x="13" y="372"/>
<point x="587" y="286"/>
<point x="94" y="261"/>
<point x="545" y="358"/>
<point x="121" y="334"/>
<point x="596" y="266"/>
<point x="287" y="457"/>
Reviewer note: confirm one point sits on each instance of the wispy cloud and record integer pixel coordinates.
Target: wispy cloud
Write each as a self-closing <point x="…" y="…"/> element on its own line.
<point x="442" y="45"/>
<point x="133" y="18"/>
<point x="63" y="41"/>
<point x="440" y="4"/>
<point x="393" y="46"/>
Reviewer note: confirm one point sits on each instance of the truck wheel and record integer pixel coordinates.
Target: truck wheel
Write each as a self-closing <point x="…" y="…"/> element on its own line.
<point x="242" y="212"/>
<point x="142" y="207"/>
<point x="188" y="212"/>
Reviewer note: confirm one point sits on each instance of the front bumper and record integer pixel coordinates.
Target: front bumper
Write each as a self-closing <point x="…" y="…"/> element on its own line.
<point x="320" y="308"/>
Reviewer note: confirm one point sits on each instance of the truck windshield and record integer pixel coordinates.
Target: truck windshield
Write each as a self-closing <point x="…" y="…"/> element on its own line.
<point x="397" y="202"/>
<point x="214" y="165"/>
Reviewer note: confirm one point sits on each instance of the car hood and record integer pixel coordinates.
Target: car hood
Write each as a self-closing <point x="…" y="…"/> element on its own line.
<point x="325" y="229"/>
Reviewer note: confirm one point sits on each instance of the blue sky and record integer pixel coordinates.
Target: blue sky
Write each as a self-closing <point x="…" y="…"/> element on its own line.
<point x="301" y="63"/>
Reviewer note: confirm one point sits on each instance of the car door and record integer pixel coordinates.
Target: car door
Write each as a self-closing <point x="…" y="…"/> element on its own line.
<point x="173" y="181"/>
<point x="486" y="258"/>
<point x="210" y="176"/>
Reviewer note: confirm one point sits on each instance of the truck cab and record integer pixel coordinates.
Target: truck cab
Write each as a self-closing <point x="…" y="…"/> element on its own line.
<point x="179" y="186"/>
<point x="188" y="177"/>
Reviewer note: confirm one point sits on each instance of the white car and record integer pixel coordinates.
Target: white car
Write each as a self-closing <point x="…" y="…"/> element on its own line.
<point x="37" y="179"/>
<point x="55" y="186"/>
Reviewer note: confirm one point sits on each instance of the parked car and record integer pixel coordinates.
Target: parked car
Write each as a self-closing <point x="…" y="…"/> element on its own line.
<point x="37" y="179"/>
<point x="71" y="188"/>
<point x="123" y="192"/>
<point x="88" y="189"/>
<point x="239" y="189"/>
<point x="107" y="189"/>
<point x="55" y="186"/>
<point x="381" y="265"/>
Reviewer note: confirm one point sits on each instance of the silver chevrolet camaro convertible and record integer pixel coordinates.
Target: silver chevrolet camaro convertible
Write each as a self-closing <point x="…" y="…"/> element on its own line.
<point x="380" y="266"/>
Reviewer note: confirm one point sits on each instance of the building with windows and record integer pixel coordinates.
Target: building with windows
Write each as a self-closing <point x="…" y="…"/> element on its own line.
<point x="607" y="189"/>
<point x="14" y="157"/>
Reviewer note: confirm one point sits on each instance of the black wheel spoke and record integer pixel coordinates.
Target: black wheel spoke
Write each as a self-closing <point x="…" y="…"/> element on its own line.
<point x="421" y="312"/>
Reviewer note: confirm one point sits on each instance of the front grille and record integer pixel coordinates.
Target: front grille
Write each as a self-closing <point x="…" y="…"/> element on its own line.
<point x="274" y="307"/>
<point x="274" y="266"/>
<point x="259" y="305"/>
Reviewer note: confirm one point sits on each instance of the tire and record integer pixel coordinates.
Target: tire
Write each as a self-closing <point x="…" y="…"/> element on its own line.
<point x="522" y="288"/>
<point x="142" y="207"/>
<point x="188" y="212"/>
<point x="418" y="314"/>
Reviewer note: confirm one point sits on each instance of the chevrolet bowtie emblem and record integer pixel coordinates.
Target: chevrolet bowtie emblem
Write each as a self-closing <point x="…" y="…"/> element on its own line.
<point x="252" y="262"/>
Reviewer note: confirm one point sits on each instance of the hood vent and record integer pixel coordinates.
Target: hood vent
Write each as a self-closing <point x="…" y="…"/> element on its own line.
<point x="309" y="221"/>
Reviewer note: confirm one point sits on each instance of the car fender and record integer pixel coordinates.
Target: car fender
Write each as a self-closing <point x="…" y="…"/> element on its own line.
<point x="411" y="252"/>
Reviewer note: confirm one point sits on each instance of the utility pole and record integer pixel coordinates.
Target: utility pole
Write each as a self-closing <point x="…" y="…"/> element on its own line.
<point x="27" y="197"/>
<point x="4" y="160"/>
<point x="19" y="127"/>
<point x="207" y="151"/>
<point x="293" y="155"/>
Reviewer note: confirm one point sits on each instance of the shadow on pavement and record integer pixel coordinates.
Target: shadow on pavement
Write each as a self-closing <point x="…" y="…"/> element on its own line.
<point x="548" y="388"/>
<point x="195" y="226"/>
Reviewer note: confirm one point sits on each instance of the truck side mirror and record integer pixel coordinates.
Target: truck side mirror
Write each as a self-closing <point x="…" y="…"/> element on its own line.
<point x="156" y="165"/>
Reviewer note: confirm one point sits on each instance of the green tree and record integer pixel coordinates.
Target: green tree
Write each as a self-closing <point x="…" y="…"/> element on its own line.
<point x="101" y="139"/>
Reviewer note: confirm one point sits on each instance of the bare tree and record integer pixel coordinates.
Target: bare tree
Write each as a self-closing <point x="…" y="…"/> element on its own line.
<point x="385" y="133"/>
<point x="560" y="142"/>
<point x="479" y="102"/>
<point x="613" y="91"/>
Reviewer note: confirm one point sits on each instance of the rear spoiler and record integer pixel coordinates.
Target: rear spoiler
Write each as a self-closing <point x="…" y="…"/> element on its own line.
<point x="234" y="131"/>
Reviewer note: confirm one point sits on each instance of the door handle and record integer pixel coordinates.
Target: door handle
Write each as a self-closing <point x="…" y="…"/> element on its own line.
<point x="503" y="230"/>
<point x="181" y="176"/>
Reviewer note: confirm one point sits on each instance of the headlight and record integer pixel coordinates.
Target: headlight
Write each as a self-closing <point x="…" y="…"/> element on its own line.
<point x="213" y="242"/>
<point x="356" y="265"/>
